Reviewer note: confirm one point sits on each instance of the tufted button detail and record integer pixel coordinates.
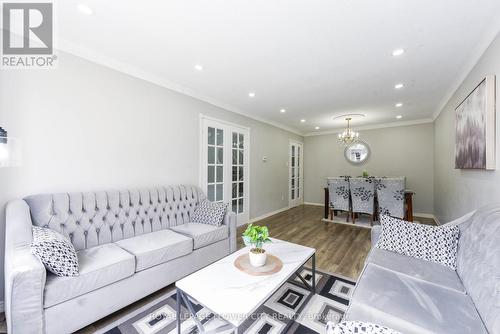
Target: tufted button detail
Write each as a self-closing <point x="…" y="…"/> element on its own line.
<point x="70" y="212"/>
<point x="154" y="210"/>
<point x="77" y="222"/>
<point x="97" y="230"/>
<point x="127" y="214"/>
<point x="85" y="232"/>
<point x="71" y="235"/>
<point x="91" y="220"/>
<point x="116" y="216"/>
<point x="151" y="220"/>
<point x="83" y="210"/>
<point x="120" y="206"/>
<point x="146" y="212"/>
<point x="62" y="225"/>
<point x="137" y="212"/>
<point x="104" y="218"/>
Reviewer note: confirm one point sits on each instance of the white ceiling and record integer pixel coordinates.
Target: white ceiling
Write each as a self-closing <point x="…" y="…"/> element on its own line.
<point x="317" y="59"/>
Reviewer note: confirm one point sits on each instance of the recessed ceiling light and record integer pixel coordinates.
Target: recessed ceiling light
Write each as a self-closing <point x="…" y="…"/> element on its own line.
<point x="398" y="52"/>
<point x="302" y="120"/>
<point x="399" y="86"/>
<point x="251" y="94"/>
<point x="198" y="67"/>
<point x="282" y="110"/>
<point x="399" y="104"/>
<point x="399" y="116"/>
<point x="84" y="9"/>
<point x="316" y="128"/>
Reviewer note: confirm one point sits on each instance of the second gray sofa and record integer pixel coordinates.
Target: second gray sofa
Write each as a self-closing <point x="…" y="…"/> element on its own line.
<point x="416" y="296"/>
<point x="129" y="244"/>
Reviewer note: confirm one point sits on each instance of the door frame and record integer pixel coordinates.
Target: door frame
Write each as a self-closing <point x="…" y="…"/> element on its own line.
<point x="203" y="156"/>
<point x="291" y="203"/>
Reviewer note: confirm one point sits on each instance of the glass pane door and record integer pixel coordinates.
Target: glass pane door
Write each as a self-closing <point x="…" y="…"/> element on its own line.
<point x="215" y="164"/>
<point x="238" y="172"/>
<point x="296" y="171"/>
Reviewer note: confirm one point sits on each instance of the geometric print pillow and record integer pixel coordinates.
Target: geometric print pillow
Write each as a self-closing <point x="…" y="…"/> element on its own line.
<point x="360" y="327"/>
<point x="55" y="251"/>
<point x="211" y="213"/>
<point x="437" y="244"/>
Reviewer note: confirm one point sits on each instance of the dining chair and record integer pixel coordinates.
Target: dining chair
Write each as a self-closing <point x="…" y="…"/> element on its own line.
<point x="391" y="196"/>
<point x="338" y="188"/>
<point x="363" y="197"/>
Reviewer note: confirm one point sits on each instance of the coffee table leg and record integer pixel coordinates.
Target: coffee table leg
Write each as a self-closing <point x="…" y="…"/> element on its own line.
<point x="314" y="273"/>
<point x="178" y="293"/>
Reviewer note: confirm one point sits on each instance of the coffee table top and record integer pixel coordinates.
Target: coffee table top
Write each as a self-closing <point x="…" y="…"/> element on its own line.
<point x="233" y="294"/>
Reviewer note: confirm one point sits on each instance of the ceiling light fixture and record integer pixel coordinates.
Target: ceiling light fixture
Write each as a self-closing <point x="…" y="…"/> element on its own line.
<point x="316" y="128"/>
<point x="398" y="52"/>
<point x="399" y="86"/>
<point x="282" y="110"/>
<point x="348" y="136"/>
<point x="251" y="94"/>
<point x="84" y="9"/>
<point x="398" y="105"/>
<point x="198" y="67"/>
<point x="302" y="121"/>
<point x="399" y="116"/>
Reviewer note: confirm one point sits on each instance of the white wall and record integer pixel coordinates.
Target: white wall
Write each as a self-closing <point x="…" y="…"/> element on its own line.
<point x="460" y="191"/>
<point x="87" y="127"/>
<point x="398" y="151"/>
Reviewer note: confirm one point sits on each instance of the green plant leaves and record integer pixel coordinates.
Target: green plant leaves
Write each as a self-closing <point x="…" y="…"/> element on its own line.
<point x="257" y="235"/>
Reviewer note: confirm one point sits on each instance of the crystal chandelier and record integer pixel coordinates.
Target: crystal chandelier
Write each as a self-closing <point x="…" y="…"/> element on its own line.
<point x="348" y="136"/>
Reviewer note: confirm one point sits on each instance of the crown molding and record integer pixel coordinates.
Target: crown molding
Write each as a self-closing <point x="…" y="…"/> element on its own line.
<point x="477" y="53"/>
<point x="133" y="71"/>
<point x="372" y="127"/>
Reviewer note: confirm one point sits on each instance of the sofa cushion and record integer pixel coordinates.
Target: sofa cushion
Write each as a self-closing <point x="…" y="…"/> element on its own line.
<point x="202" y="234"/>
<point x="55" y="251"/>
<point x="432" y="243"/>
<point x="478" y="263"/>
<point x="154" y="248"/>
<point x="410" y="305"/>
<point x="211" y="213"/>
<point x="419" y="269"/>
<point x="99" y="266"/>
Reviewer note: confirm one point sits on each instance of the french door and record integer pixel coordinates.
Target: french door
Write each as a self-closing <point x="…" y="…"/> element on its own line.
<point x="296" y="171"/>
<point x="225" y="165"/>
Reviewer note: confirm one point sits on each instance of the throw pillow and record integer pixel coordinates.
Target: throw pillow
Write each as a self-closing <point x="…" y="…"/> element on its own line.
<point x="437" y="244"/>
<point x="211" y="213"/>
<point x="55" y="251"/>
<point x="360" y="327"/>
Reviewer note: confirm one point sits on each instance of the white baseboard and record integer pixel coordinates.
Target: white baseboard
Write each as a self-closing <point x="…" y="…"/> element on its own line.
<point x="427" y="215"/>
<point x="266" y="215"/>
<point x="315" y="204"/>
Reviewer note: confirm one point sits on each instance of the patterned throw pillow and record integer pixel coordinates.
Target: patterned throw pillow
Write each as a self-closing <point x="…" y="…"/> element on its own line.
<point x="437" y="244"/>
<point x="211" y="213"/>
<point x="360" y="327"/>
<point x="55" y="251"/>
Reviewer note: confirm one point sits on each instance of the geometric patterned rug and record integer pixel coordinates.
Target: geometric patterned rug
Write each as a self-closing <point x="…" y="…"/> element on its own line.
<point x="291" y="309"/>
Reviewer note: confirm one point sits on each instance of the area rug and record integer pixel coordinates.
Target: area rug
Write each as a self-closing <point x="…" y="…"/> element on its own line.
<point x="291" y="309"/>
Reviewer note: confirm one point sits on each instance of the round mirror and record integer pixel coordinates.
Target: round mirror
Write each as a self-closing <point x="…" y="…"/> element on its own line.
<point x="357" y="153"/>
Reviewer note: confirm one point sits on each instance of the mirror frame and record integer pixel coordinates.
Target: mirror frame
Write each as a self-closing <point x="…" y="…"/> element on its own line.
<point x="368" y="154"/>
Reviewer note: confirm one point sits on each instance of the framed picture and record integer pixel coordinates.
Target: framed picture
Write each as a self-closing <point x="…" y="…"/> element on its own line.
<point x="475" y="128"/>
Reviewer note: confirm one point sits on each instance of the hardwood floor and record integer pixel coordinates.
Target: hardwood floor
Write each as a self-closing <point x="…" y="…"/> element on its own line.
<point x="340" y="249"/>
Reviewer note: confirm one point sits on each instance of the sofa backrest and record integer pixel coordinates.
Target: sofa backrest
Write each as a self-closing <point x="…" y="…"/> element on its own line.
<point x="478" y="263"/>
<point x="94" y="218"/>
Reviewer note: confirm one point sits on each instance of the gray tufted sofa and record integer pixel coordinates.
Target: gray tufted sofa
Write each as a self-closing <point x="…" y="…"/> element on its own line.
<point x="130" y="243"/>
<point x="416" y="296"/>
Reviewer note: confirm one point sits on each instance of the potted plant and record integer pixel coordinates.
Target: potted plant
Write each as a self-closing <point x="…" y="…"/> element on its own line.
<point x="256" y="237"/>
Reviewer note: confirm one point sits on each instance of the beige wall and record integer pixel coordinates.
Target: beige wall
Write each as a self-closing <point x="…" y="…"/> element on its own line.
<point x="460" y="191"/>
<point x="87" y="127"/>
<point x="398" y="151"/>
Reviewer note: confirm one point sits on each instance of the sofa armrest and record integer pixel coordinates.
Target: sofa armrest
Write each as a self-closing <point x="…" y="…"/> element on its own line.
<point x="23" y="272"/>
<point x="230" y="221"/>
<point x="460" y="220"/>
<point x="375" y="234"/>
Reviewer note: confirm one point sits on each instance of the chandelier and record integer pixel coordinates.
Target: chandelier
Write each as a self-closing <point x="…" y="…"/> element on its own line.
<point x="348" y="136"/>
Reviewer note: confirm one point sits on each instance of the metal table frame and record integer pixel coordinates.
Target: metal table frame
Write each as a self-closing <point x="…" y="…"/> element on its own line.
<point x="182" y="296"/>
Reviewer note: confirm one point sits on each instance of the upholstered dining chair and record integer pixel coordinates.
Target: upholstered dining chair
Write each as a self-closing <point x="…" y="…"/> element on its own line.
<point x="363" y="197"/>
<point x="338" y="188"/>
<point x="391" y="196"/>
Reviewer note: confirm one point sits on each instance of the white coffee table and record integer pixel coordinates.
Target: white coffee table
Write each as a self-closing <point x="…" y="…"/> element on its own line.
<point x="234" y="295"/>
